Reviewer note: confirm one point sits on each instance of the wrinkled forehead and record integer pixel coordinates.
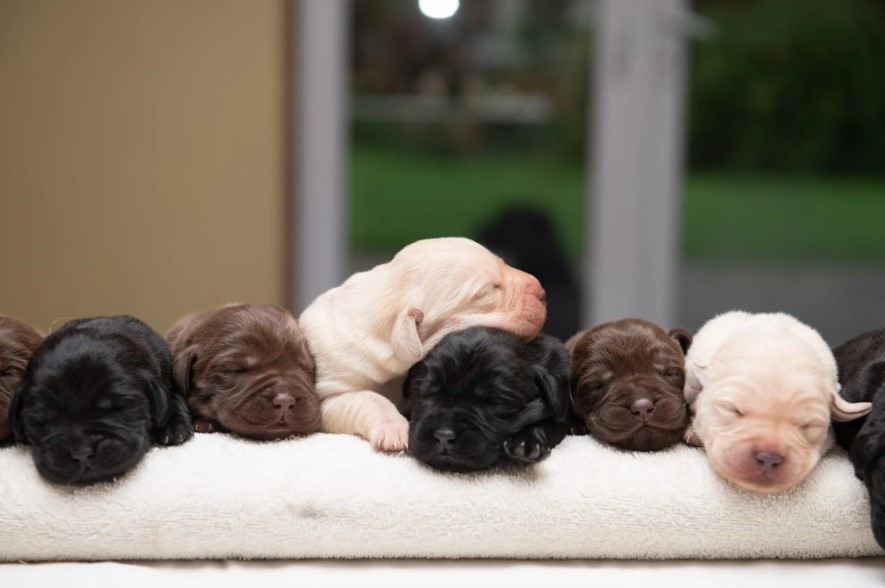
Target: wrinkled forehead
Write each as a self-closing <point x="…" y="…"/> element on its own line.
<point x="16" y="338"/>
<point x="777" y="392"/>
<point x="83" y="381"/>
<point x="238" y="330"/>
<point x="635" y="347"/>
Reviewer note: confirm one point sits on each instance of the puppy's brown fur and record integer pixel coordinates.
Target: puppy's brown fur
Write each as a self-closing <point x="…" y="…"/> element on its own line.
<point x="18" y="341"/>
<point x="246" y="368"/>
<point x="627" y="380"/>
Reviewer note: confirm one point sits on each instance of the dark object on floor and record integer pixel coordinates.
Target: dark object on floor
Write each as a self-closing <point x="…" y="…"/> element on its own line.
<point x="525" y="238"/>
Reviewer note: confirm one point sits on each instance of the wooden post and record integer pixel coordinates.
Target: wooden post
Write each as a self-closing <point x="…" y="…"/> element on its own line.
<point x="635" y="157"/>
<point x="319" y="205"/>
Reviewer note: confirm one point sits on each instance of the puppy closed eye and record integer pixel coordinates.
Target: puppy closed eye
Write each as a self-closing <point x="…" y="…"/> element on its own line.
<point x="488" y="290"/>
<point x="730" y="410"/>
<point x="232" y="368"/>
<point x="813" y="427"/>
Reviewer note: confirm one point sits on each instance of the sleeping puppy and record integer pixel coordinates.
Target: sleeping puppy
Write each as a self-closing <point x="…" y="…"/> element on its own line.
<point x="763" y="389"/>
<point x="246" y="368"/>
<point x="628" y="379"/>
<point x="483" y="395"/>
<point x="95" y="395"/>
<point x="17" y="343"/>
<point x="366" y="333"/>
<point x="861" y="362"/>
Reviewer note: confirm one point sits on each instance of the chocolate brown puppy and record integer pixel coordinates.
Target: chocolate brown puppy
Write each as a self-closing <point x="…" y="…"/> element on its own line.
<point x="627" y="381"/>
<point x="247" y="369"/>
<point x="18" y="341"/>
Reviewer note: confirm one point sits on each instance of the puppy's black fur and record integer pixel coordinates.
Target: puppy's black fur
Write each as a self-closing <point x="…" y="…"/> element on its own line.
<point x="861" y="362"/>
<point x="483" y="395"/>
<point x="95" y="395"/>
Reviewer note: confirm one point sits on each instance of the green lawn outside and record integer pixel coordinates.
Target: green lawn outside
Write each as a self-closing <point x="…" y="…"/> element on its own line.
<point x="400" y="196"/>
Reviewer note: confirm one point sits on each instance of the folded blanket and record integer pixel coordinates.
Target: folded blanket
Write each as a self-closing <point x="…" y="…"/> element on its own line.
<point x="333" y="496"/>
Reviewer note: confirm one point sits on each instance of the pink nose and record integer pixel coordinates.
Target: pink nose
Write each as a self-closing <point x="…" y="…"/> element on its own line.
<point x="768" y="461"/>
<point x="533" y="286"/>
<point x="284" y="402"/>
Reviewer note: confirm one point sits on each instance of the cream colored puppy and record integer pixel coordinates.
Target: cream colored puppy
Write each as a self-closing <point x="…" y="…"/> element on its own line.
<point x="763" y="389"/>
<point x="366" y="333"/>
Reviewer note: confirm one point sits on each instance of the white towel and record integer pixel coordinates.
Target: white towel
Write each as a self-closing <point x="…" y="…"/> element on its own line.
<point x="333" y="496"/>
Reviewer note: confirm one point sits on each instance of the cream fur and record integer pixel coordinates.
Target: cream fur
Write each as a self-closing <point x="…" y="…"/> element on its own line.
<point x="366" y="333"/>
<point x="763" y="383"/>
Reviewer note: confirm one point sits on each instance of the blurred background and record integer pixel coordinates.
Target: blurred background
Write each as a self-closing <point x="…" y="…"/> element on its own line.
<point x="160" y="157"/>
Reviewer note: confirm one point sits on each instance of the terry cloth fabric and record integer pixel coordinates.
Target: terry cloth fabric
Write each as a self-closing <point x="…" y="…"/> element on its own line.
<point x="333" y="496"/>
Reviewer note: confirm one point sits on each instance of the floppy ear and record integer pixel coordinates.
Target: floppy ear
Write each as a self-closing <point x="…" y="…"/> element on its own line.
<point x="555" y="391"/>
<point x="841" y="410"/>
<point x="16" y="425"/>
<point x="405" y="339"/>
<point x="159" y="399"/>
<point x="866" y="451"/>
<point x="182" y="367"/>
<point x="682" y="337"/>
<point x="695" y="375"/>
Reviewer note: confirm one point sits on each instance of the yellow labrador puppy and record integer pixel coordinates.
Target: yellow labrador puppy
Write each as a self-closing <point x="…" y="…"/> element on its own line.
<point x="763" y="389"/>
<point x="366" y="333"/>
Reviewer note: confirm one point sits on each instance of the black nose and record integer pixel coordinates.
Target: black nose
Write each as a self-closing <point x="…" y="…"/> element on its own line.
<point x="642" y="407"/>
<point x="768" y="461"/>
<point x="445" y="436"/>
<point x="81" y="454"/>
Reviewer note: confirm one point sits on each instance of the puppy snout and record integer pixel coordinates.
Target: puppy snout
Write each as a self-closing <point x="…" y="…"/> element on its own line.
<point x="444" y="436"/>
<point x="82" y="453"/>
<point x="642" y="408"/>
<point x="284" y="402"/>
<point x="768" y="461"/>
<point x="542" y="296"/>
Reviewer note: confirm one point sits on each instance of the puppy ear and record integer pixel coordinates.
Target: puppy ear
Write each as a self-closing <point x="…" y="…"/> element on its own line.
<point x="182" y="368"/>
<point x="555" y="390"/>
<point x="866" y="451"/>
<point x="695" y="375"/>
<point x="405" y="339"/>
<point x="159" y="399"/>
<point x="682" y="337"/>
<point x="16" y="425"/>
<point x="841" y="410"/>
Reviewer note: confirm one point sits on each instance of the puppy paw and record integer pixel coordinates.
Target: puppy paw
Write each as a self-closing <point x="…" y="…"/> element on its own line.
<point x="391" y="437"/>
<point x="179" y="427"/>
<point x="527" y="447"/>
<point x="204" y="426"/>
<point x="692" y="438"/>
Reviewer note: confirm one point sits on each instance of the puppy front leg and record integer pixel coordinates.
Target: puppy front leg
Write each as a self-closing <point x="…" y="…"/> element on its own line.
<point x="535" y="442"/>
<point x="369" y="415"/>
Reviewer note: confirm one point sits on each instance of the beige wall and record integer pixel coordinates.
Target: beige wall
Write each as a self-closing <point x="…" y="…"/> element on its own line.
<point x="142" y="156"/>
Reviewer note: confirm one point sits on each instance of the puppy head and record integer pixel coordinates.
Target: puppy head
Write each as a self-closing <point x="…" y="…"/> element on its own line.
<point x="87" y="418"/>
<point x="765" y="411"/>
<point x="454" y="283"/>
<point x="627" y="381"/>
<point x="246" y="368"/>
<point x="470" y="394"/>
<point x="18" y="341"/>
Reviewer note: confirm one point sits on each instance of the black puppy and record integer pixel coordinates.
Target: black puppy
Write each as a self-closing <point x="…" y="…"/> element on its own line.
<point x="861" y="364"/>
<point x="95" y="395"/>
<point x="483" y="395"/>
